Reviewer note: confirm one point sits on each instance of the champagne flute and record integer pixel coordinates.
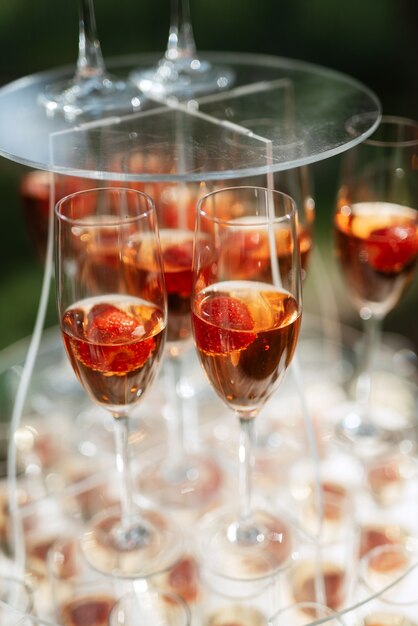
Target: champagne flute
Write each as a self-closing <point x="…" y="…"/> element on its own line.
<point x="180" y="479"/>
<point x="181" y="72"/>
<point x="376" y="240"/>
<point x="80" y="594"/>
<point x="114" y="340"/>
<point x="246" y="311"/>
<point x="306" y="614"/>
<point x="388" y="575"/>
<point x="92" y="92"/>
<point x="271" y="444"/>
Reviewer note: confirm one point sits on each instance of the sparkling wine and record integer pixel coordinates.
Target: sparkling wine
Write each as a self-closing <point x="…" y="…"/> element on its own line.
<point x="183" y="579"/>
<point x="245" y="334"/>
<point x="114" y="344"/>
<point x="177" y="251"/>
<point x="377" y="245"/>
<point x="87" y="611"/>
<point x="373" y="536"/>
<point x="333" y="580"/>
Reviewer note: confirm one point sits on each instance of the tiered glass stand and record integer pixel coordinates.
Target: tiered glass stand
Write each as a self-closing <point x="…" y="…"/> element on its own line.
<point x="279" y="114"/>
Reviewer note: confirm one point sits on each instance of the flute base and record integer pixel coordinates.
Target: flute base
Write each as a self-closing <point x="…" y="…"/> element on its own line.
<point x="183" y="78"/>
<point x="193" y="483"/>
<point x="146" y="544"/>
<point x="92" y="98"/>
<point x="258" y="547"/>
<point x="365" y="435"/>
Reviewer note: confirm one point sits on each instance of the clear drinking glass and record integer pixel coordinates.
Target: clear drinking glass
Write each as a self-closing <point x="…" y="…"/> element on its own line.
<point x="183" y="478"/>
<point x="270" y="438"/>
<point x="81" y="596"/>
<point x="114" y="335"/>
<point x="391" y="574"/>
<point x="246" y="311"/>
<point x="376" y="242"/>
<point x="306" y="614"/>
<point x="246" y="601"/>
<point x="325" y="558"/>
<point x="181" y="72"/>
<point x="92" y="92"/>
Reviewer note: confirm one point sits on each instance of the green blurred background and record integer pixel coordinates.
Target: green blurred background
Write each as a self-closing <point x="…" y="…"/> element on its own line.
<point x="375" y="41"/>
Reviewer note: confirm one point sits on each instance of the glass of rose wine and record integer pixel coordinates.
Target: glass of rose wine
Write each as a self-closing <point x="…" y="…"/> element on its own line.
<point x="182" y="478"/>
<point x="114" y="336"/>
<point x="271" y="445"/>
<point x="388" y="575"/>
<point x="376" y="242"/>
<point x="81" y="595"/>
<point x="246" y="312"/>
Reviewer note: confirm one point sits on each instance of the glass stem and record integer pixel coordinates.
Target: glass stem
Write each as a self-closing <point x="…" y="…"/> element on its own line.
<point x="372" y="337"/>
<point x="90" y="60"/>
<point x="122" y="465"/>
<point x="181" y="44"/>
<point x="245" y="469"/>
<point x="176" y="423"/>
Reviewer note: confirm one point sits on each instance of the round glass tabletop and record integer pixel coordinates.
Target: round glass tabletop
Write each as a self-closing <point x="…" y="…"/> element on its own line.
<point x="277" y="114"/>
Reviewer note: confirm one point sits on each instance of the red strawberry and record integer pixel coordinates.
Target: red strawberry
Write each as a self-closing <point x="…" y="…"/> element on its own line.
<point x="111" y="346"/>
<point x="108" y="324"/>
<point x="177" y="261"/>
<point x="179" y="255"/>
<point x="391" y="248"/>
<point x="229" y="312"/>
<point x="111" y="359"/>
<point x="220" y="328"/>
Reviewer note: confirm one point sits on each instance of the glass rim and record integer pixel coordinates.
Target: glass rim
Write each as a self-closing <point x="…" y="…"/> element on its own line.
<point x="375" y="237"/>
<point x="408" y="569"/>
<point x="116" y="221"/>
<point x="265" y="220"/>
<point x="328" y="612"/>
<point x="267" y="577"/>
<point x="388" y="120"/>
<point x="210" y="572"/>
